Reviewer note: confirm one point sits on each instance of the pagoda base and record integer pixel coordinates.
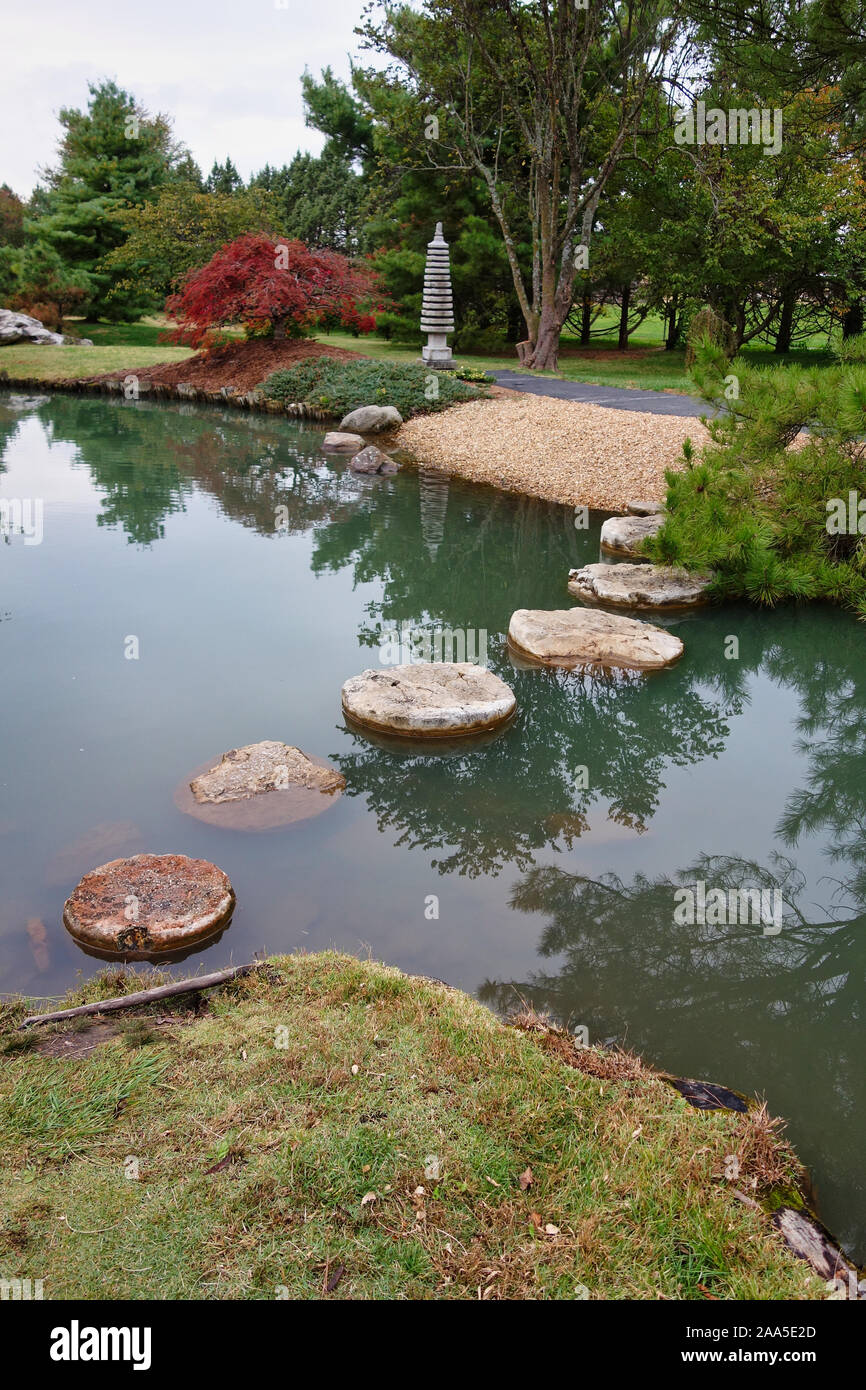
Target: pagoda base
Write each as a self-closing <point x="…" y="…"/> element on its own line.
<point x="438" y="357"/>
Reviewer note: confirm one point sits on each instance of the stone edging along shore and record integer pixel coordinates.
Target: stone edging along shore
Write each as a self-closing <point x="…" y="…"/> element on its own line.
<point x="114" y="386"/>
<point x="561" y="451"/>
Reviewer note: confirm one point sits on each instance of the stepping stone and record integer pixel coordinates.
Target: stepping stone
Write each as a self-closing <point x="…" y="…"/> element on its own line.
<point x="645" y="508"/>
<point x="339" y="442"/>
<point x="429" y="699"/>
<point x="149" y="904"/>
<point x="622" y="535"/>
<point x="638" y="586"/>
<point x="260" y="786"/>
<point x="573" y="637"/>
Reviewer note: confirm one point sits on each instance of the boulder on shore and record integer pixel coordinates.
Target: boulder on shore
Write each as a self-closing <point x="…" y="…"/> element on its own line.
<point x="372" y="460"/>
<point x="372" y="419"/>
<point x="638" y="586"/>
<point x="339" y="443"/>
<point x="622" y="535"/>
<point x="573" y="637"/>
<point x="22" y="328"/>
<point x="149" y="904"/>
<point x="429" y="699"/>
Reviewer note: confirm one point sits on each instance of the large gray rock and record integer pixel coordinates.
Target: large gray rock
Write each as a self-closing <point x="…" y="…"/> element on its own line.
<point x="621" y="535"/>
<point x="372" y="419"/>
<point x="372" y="460"/>
<point x="573" y="637"/>
<point x="638" y="586"/>
<point x="339" y="442"/>
<point x="430" y="699"/>
<point x="21" y="328"/>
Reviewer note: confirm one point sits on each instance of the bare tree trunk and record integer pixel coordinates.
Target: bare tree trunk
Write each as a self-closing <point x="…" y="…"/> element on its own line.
<point x="786" y="322"/>
<point x="852" y="323"/>
<point x="622" y="342"/>
<point x="585" y="319"/>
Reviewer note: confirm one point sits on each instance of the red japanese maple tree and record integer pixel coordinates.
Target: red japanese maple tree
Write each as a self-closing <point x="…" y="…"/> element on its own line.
<point x="254" y="280"/>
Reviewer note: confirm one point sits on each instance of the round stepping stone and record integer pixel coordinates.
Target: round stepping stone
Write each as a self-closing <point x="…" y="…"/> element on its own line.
<point x="622" y="535"/>
<point x="573" y="637"/>
<point x="638" y="586"/>
<point x="645" y="508"/>
<point x="260" y="786"/>
<point x="149" y="904"/>
<point x="441" y="699"/>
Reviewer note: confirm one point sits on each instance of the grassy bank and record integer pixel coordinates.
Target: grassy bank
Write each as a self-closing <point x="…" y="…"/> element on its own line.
<point x="333" y="1128"/>
<point x="645" y="366"/>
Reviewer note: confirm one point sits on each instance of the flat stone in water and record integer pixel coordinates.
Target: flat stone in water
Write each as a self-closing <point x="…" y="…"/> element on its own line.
<point x="149" y="904"/>
<point x="574" y="637"/>
<point x="339" y="442"/>
<point x="260" y="786"/>
<point x="638" y="586"/>
<point x="429" y="699"/>
<point x="622" y="535"/>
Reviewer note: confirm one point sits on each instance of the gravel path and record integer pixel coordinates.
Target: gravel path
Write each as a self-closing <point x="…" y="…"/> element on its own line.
<point x="563" y="451"/>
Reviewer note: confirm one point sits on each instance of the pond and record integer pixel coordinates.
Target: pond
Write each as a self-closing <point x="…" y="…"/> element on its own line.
<point x="255" y="576"/>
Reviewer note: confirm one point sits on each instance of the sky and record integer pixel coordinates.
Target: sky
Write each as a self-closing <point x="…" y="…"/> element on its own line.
<point x="226" y="71"/>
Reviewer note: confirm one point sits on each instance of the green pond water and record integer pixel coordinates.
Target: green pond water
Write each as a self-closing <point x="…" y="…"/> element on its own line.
<point x="551" y="853"/>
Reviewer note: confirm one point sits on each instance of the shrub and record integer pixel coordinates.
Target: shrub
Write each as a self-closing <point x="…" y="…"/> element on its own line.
<point x="761" y="513"/>
<point x="475" y="374"/>
<point x="255" y="280"/>
<point x="339" y="387"/>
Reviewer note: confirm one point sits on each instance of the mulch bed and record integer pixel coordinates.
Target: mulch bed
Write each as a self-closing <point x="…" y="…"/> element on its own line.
<point x="243" y="366"/>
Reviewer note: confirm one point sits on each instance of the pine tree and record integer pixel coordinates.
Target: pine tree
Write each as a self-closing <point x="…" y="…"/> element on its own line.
<point x="113" y="156"/>
<point x="223" y="178"/>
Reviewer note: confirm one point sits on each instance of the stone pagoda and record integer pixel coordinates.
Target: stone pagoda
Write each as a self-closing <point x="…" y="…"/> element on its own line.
<point x="437" y="311"/>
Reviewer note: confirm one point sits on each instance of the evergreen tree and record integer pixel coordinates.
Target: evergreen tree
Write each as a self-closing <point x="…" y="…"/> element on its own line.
<point x="113" y="156"/>
<point x="223" y="178"/>
<point x="321" y="200"/>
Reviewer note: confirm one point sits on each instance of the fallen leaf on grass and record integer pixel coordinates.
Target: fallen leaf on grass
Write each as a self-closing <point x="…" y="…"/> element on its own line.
<point x="525" y="1179"/>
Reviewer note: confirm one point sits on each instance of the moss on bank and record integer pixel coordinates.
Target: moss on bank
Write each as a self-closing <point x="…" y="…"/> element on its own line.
<point x="328" y="1127"/>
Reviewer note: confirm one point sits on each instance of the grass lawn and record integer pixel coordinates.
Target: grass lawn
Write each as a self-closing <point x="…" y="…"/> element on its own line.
<point x="57" y="363"/>
<point x="332" y="1127"/>
<point x="646" y="367"/>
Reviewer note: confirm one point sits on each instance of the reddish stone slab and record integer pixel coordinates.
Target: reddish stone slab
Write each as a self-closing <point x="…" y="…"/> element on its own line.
<point x="151" y="903"/>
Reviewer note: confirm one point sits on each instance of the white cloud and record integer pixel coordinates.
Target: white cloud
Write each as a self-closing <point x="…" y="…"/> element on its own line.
<point x="228" y="73"/>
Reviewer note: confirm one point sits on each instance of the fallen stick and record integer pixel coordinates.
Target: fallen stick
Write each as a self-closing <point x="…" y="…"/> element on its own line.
<point x="144" y="996"/>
